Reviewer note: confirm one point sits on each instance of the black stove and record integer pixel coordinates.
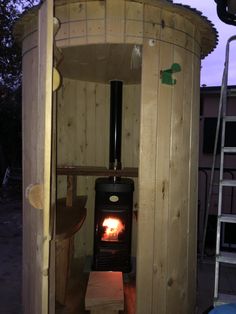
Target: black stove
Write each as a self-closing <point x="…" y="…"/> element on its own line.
<point x="113" y="224"/>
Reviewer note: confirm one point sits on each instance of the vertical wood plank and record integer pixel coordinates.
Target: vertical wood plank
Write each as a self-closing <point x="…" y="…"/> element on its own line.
<point x="66" y="125"/>
<point x="60" y="97"/>
<point x="45" y="46"/>
<point x="52" y="278"/>
<point x="90" y="160"/>
<point x="102" y="113"/>
<point x="176" y="281"/>
<point x="63" y="15"/>
<point x="135" y="150"/>
<point x="130" y="125"/>
<point x="130" y="142"/>
<point x="79" y="117"/>
<point x="127" y="126"/>
<point x="36" y="165"/>
<point x="30" y="272"/>
<point x="115" y="21"/>
<point x="63" y="260"/>
<point x="52" y="266"/>
<point x="79" y="114"/>
<point x="95" y="19"/>
<point x="187" y="105"/>
<point x="134" y="22"/>
<point x="80" y="156"/>
<point x="147" y="176"/>
<point x="136" y="122"/>
<point x="193" y="184"/>
<point x="165" y="99"/>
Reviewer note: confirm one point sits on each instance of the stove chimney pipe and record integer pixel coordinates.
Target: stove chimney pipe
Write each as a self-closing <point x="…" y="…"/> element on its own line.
<point x="115" y="124"/>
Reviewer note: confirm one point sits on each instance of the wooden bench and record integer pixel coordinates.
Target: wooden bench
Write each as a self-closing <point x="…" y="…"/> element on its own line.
<point x="105" y="294"/>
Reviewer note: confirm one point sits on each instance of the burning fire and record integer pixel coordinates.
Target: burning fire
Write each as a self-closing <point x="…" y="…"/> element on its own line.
<point x="113" y="226"/>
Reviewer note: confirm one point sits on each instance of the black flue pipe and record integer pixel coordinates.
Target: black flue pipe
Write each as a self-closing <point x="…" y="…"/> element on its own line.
<point x="116" y="88"/>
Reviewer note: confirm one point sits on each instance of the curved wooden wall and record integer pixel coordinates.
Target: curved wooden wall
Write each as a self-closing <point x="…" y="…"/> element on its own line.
<point x="167" y="234"/>
<point x="162" y="139"/>
<point x="130" y="21"/>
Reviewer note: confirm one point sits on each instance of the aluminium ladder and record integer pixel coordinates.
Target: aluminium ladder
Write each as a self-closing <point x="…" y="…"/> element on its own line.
<point x="223" y="256"/>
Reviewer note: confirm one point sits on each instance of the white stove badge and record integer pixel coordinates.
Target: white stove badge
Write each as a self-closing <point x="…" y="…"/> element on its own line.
<point x="114" y="198"/>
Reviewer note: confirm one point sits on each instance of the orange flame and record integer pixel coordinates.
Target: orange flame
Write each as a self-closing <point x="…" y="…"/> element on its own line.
<point x="113" y="226"/>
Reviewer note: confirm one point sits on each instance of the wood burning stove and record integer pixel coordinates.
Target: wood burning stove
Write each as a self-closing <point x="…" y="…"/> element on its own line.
<point x="113" y="224"/>
<point x="113" y="201"/>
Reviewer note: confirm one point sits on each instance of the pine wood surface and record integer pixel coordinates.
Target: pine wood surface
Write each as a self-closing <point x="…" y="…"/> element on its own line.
<point x="105" y="291"/>
<point x="45" y="102"/>
<point x="97" y="41"/>
<point x="34" y="194"/>
<point x="71" y="191"/>
<point x="89" y="22"/>
<point x="83" y="119"/>
<point x="64" y="251"/>
<point x="167" y="183"/>
<point x="147" y="174"/>
<point x="31" y="217"/>
<point x="96" y="171"/>
<point x="75" y="299"/>
<point x="37" y="118"/>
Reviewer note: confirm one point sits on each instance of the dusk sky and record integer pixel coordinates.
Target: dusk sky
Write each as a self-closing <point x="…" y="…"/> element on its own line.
<point x="212" y="65"/>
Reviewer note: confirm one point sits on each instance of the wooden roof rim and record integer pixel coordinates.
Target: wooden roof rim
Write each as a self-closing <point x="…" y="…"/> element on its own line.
<point x="209" y="34"/>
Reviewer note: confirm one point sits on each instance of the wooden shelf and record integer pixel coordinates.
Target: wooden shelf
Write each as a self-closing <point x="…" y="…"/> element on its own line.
<point x="69" y="219"/>
<point x="96" y="171"/>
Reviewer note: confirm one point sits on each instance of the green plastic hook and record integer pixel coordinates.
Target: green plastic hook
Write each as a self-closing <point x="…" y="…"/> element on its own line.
<point x="166" y="75"/>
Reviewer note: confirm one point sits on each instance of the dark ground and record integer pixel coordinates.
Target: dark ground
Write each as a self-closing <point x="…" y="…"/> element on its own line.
<point x="10" y="252"/>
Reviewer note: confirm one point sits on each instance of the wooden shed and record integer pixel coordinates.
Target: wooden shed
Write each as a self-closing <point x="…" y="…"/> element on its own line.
<point x="154" y="47"/>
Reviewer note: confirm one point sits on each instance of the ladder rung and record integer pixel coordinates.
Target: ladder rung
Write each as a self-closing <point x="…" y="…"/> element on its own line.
<point x="229" y="149"/>
<point x="226" y="257"/>
<point x="230" y="118"/>
<point x="225" y="299"/>
<point x="227" y="218"/>
<point x="228" y="182"/>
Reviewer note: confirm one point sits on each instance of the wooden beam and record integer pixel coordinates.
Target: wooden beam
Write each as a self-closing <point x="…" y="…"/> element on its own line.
<point x="96" y="171"/>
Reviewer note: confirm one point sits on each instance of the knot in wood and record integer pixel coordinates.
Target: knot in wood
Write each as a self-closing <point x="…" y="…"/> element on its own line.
<point x="170" y="282"/>
<point x="45" y="272"/>
<point x="155" y="268"/>
<point x="163" y="190"/>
